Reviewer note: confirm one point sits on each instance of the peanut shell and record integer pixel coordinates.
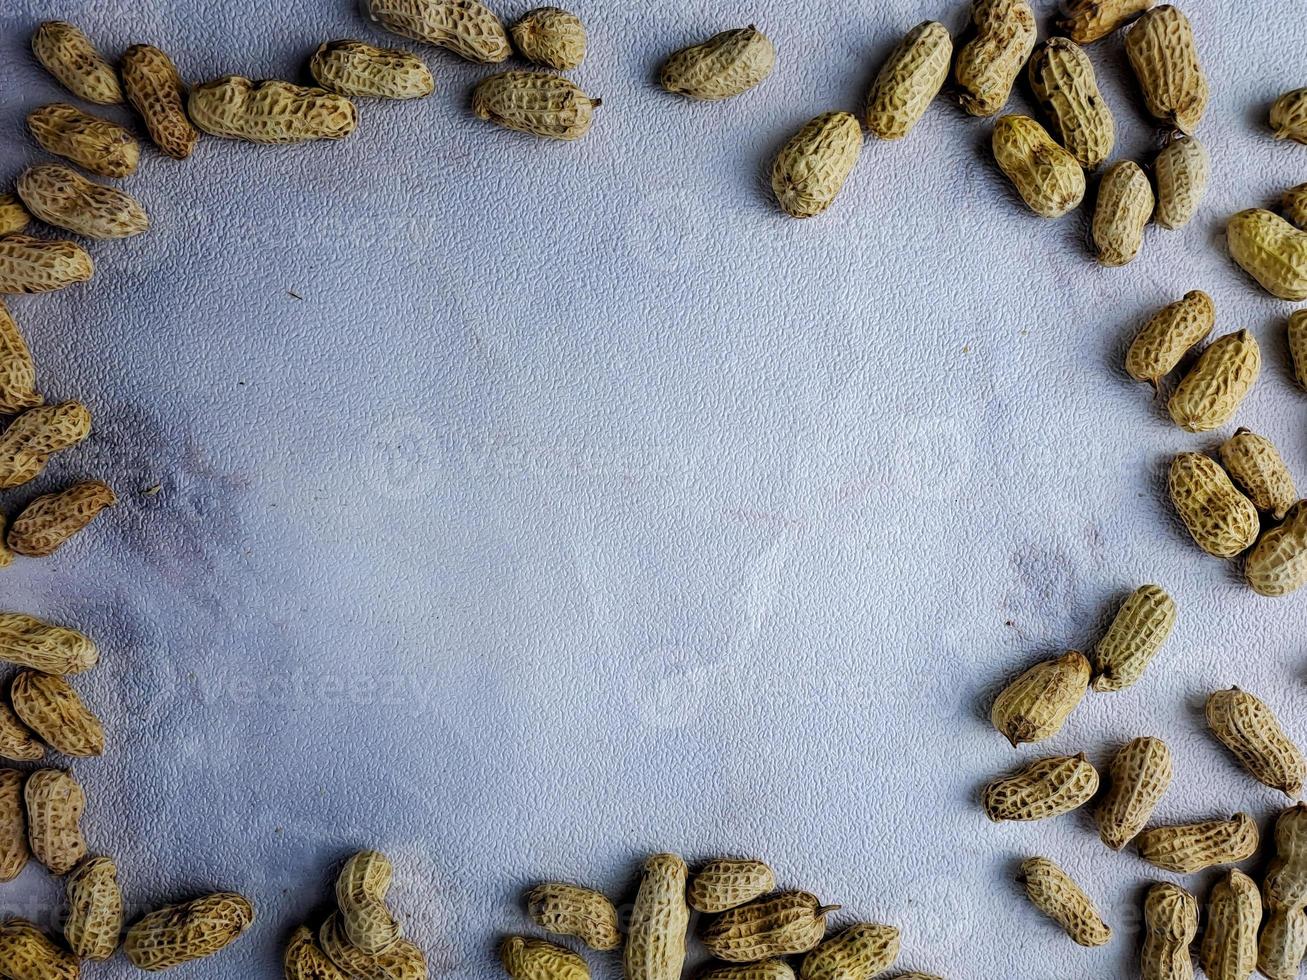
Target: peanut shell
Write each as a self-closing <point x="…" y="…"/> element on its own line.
<point x="466" y="27"/>
<point x="270" y="111"/>
<point x="361" y="889"/>
<point x="1140" y="627"/>
<point x="1170" y="925"/>
<point x="13" y="216"/>
<point x="811" y="168"/>
<point x="1086" y="21"/>
<point x="1164" y="56"/>
<point x="68" y="54"/>
<point x="403" y="961"/>
<point x="724" y="66"/>
<point x="1220" y="379"/>
<point x="193" y="930"/>
<point x="1277" y="565"/>
<point x="1249" y="729"/>
<point x="1289" y="116"/>
<point x="47" y="523"/>
<point x="54" y="801"/>
<point x="1285" y="886"/>
<point x="862" y="950"/>
<point x="1037" y="704"/>
<point x="1168" y="335"/>
<point x="1282" y="944"/>
<point x="1124" y="207"/>
<point x="909" y="80"/>
<point x="655" y="935"/>
<point x="1271" y="250"/>
<point x="1228" y="950"/>
<point x="1063" y="81"/>
<point x="1181" y="170"/>
<point x="1259" y="471"/>
<point x="95" y="909"/>
<point x="94" y="144"/>
<point x="27" y="953"/>
<point x="1298" y="345"/>
<point x="535" y="959"/>
<point x="1294" y="205"/>
<point x="1221" y="520"/>
<point x="1054" y="893"/>
<point x="570" y="910"/>
<point x="62" y="197"/>
<point x="304" y="960"/>
<point x="14" y="850"/>
<point x="17" y="369"/>
<point x="1047" y="177"/>
<point x="728" y="882"/>
<point x="551" y="37"/>
<point x="535" y="102"/>
<point x="1138" y="777"/>
<point x="762" y="970"/>
<point x="782" y="925"/>
<point x="356" y="69"/>
<point x="48" y="705"/>
<point x="16" y="740"/>
<point x="154" y="88"/>
<point x="1186" y="848"/>
<point x="1042" y="789"/>
<point x="1004" y="33"/>
<point x="29" y="642"/>
<point x="33" y="265"/>
<point x="32" y="438"/>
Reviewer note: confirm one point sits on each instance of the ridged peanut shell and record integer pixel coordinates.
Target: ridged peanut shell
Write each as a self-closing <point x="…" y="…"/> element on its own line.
<point x="1139" y="629"/>
<point x="535" y="102"/>
<point x="27" y="953"/>
<point x="1085" y="21"/>
<point x="54" y="801"/>
<point x="46" y="524"/>
<point x="1037" y="704"/>
<point x="763" y="970"/>
<point x="724" y="66"/>
<point x="1063" y="81"/>
<point x="1053" y="892"/>
<point x="1286" y="878"/>
<point x="270" y="111"/>
<point x="727" y="882"/>
<point x="62" y="197"/>
<point x="1047" y="177"/>
<point x="48" y="705"/>
<point x="1042" y="789"/>
<point x="1181" y="171"/>
<point x="812" y="166"/>
<point x="1228" y="949"/>
<point x="909" y="80"/>
<point x="1271" y="250"/>
<point x="1289" y="116"/>
<point x="13" y="216"/>
<point x="570" y="910"/>
<point x="30" y="642"/>
<point x="1294" y="205"/>
<point x="535" y="959"/>
<point x="17" y="369"/>
<point x="862" y="950"/>
<point x="1259" y="471"/>
<point x="35" y="265"/>
<point x="1282" y="944"/>
<point x="16" y="740"/>
<point x="1298" y="345"/>
<point x="1209" y="395"/>
<point x="1190" y="847"/>
<point x="95" y="909"/>
<point x="655" y="934"/>
<point x="987" y="66"/>
<point x="1121" y="214"/>
<point x="552" y="37"/>
<point x="361" y="889"/>
<point x="304" y="960"/>
<point x="1220" y="519"/>
<point x="14" y="850"/>
<point x="1249" y="729"/>
<point x="1164" y="56"/>
<point x="27" y="444"/>
<point x="68" y="54"/>
<point x="1138" y="777"/>
<point x="1277" y="565"/>
<point x="178" y="934"/>
<point x="466" y="27"/>
<point x="362" y="70"/>
<point x="1170" y="925"/>
<point x="782" y="925"/>
<point x="403" y="961"/>
<point x="94" y="144"/>
<point x="155" y="89"/>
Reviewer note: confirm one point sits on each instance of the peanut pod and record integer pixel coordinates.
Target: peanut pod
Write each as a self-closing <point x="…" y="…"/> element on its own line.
<point x="1053" y="892"/>
<point x="154" y="88"/>
<point x="1277" y="565"/>
<point x="1221" y="520"/>
<point x="1271" y="250"/>
<point x="783" y="925"/>
<point x="403" y="961"/>
<point x="1228" y="950"/>
<point x="1138" y="777"/>
<point x="95" y="909"/>
<point x="68" y="54"/>
<point x="48" y="522"/>
<point x="1170" y="925"/>
<point x="190" y="931"/>
<point x="909" y="80"/>
<point x="1289" y="116"/>
<point x="1124" y="207"/>
<point x="305" y="960"/>
<point x="33" y="265"/>
<point x="1140" y="627"/>
<point x="655" y="936"/>
<point x="1063" y="81"/>
<point x="535" y="102"/>
<point x="1164" y="56"/>
<point x="466" y="27"/>
<point x="94" y="144"/>
<point x="356" y="69"/>
<point x="535" y="959"/>
<point x="552" y="37"/>
<point x="1258" y="469"/>
<point x="48" y="705"/>
<point x="27" y="953"/>
<point x="724" y="66"/>
<point x="1168" y="335"/>
<point x="32" y="438"/>
<point x="1186" y="848"/>
<point x="1249" y="729"/>
<point x="270" y="112"/>
<point x="1004" y="33"/>
<point x="728" y="882"/>
<point x="1042" y="789"/>
<point x="862" y="950"/>
<point x="1037" y="704"/>
<point x="1181" y="170"/>
<point x="62" y="197"/>
<point x="1085" y="21"/>
<point x="361" y="889"/>
<point x="811" y="168"/>
<point x="17" y="369"/>
<point x="1047" y="177"/>
<point x="55" y="802"/>
<point x="14" y="849"/>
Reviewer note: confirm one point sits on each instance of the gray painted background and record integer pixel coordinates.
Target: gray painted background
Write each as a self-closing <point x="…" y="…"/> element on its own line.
<point x="527" y="508"/>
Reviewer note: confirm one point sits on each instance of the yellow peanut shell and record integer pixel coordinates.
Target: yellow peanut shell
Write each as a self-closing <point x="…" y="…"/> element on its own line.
<point x="1282" y="944"/>
<point x="1053" y="892"/>
<point x="1004" y="33"/>
<point x="190" y="931"/>
<point x="17" y="369"/>
<point x="570" y="910"/>
<point x="48" y="705"/>
<point x="1298" y="345"/>
<point x="47" y="523"/>
<point x="862" y="950"/>
<point x="403" y="961"/>
<point x="762" y="970"/>
<point x="782" y="925"/>
<point x="1220" y="519"/>
<point x="1271" y="250"/>
<point x="1289" y="116"/>
<point x="1037" y="704"/>
<point x="724" y="66"/>
<point x="30" y="642"/>
<point x="1138" y="777"/>
<point x="32" y="438"/>
<point x="1047" y="177"/>
<point x="811" y="168"/>
<point x="727" y="882"/>
<point x="1085" y="21"/>
<point x="1063" y="81"/>
<point x="1181" y="171"/>
<point x="34" y="265"/>
<point x="54" y="802"/>
<point x="361" y="889"/>
<point x="154" y="88"/>
<point x="27" y="953"/>
<point x="1286" y="878"/>
<point x="1042" y="789"/>
<point x="1170" y="925"/>
<point x="1124" y="207"/>
<point x="68" y="54"/>
<point x="16" y="740"/>
<point x="1164" y="56"/>
<point x="95" y="909"/>
<point x="270" y="111"/>
<point x="1294" y="205"/>
<point x="94" y="144"/>
<point x="362" y="70"/>
<point x="1228" y="950"/>
<point x="304" y="960"/>
<point x="1277" y="565"/>
<point x="62" y="197"/>
<point x="552" y="37"/>
<point x="655" y="935"/>
<point x="1140" y="627"/>
<point x="535" y="959"/>
<point x="1258" y="469"/>
<point x="466" y="27"/>
<point x="14" y="850"/>
<point x="535" y="102"/>
<point x="1249" y="729"/>
<point x="13" y="216"/>
<point x="1186" y="848"/>
<point x="909" y="80"/>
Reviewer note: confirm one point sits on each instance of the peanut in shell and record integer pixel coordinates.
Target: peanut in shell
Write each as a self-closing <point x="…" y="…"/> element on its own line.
<point x="1138" y="777"/>
<point x="1271" y="250"/>
<point x="1186" y="848"/>
<point x="1258" y="469"/>
<point x="1063" y="81"/>
<point x="782" y="925"/>
<point x="1037" y="704"/>
<point x="1246" y="726"/>
<point x="987" y="66"/>
<point x="1141" y="626"/>
<point x="1164" y="56"/>
<point x="1181" y="171"/>
<point x="861" y="950"/>
<point x="1048" y="178"/>
<point x="1228" y="949"/>
<point x="909" y="80"/>
<point x="1042" y="789"/>
<point x="1220" y="379"/>
<point x="1055" y="893"/>
<point x="812" y="166"/>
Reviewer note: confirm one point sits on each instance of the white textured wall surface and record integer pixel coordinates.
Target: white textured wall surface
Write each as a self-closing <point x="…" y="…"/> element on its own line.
<point x="527" y="508"/>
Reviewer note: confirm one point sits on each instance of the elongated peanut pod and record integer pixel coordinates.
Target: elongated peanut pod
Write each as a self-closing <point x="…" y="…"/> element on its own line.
<point x="1085" y="21"/>
<point x="536" y="959"/>
<point x="727" y="882"/>
<point x="1181" y="171"/>
<point x="655" y="937"/>
<point x="861" y="950"/>
<point x="570" y="910"/>
<point x="55" y="802"/>
<point x="782" y="925"/>
<point x="1286" y="878"/>
<point x="95" y="909"/>
<point x="17" y="369"/>
<point x="551" y="37"/>
<point x="1271" y="250"/>
<point x="154" y="88"/>
<point x="1186" y="848"/>
<point x="1004" y="34"/>
<point x="1221" y="520"/>
<point x="468" y="28"/>
<point x="1277" y="565"/>
<point x="813" y="165"/>
<point x="1037" y="704"/>
<point x="1218" y="382"/>
<point x="48" y="522"/>
<point x="305" y="960"/>
<point x="535" y="102"/>
<point x="1228" y="950"/>
<point x="1248" y="728"/>
<point x="1169" y="334"/>
<point x="1054" y="893"/>
<point x="1124" y="207"/>
<point x="1062" y="79"/>
<point x="1164" y="56"/>
<point x="724" y="66"/>
<point x="68" y="54"/>
<point x="1289" y="116"/>
<point x="1260" y="472"/>
<point x="909" y="80"/>
<point x="1044" y="788"/>
<point x="1138" y="777"/>
<point x="1047" y="177"/>
<point x="1141" y="626"/>
<point x="361" y="889"/>
<point x="1170" y="925"/>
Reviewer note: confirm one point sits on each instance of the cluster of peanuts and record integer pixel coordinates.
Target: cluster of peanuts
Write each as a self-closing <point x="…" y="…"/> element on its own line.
<point x="752" y="934"/>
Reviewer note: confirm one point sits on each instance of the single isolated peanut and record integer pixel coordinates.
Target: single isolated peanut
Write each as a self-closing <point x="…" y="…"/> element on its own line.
<point x="1294" y="205"/>
<point x="727" y="882"/>
<point x="1053" y="892"/>
<point x="1282" y="944"/>
<point x="1181" y="170"/>
<point x="1164" y="56"/>
<point x="811" y="168"/>
<point x="1286" y="878"/>
<point x="48" y="705"/>
<point x="34" y="265"/>
<point x="154" y="88"/>
<point x="1277" y="565"/>
<point x="1228" y="950"/>
<point x="762" y="970"/>
<point x="782" y="925"/>
<point x="14" y="851"/>
<point x="403" y="961"/>
<point x="270" y="112"/>
<point x="95" y="909"/>
<point x="30" y="642"/>
<point x="1221" y="520"/>
<point x="1085" y="21"/>
<point x="1047" y="177"/>
<point x="1138" y="777"/>
<point x="27" y="953"/>
<point x="68" y="54"/>
<point x="655" y="935"/>
<point x="535" y="959"/>
<point x="47" y="523"/>
<point x="17" y="369"/>
<point x="1259" y="471"/>
<point x="1037" y="704"/>
<point x="535" y="102"/>
<point x="909" y="80"/>
<point x="1190" y="847"/>
<point x="1289" y="116"/>
<point x="1063" y="81"/>
<point x="724" y="66"/>
<point x="1169" y="334"/>
<point x="305" y="960"/>
<point x="552" y="37"/>
<point x="178" y="934"/>
<point x="54" y="801"/>
<point x="13" y="216"/>
<point x="1124" y="207"/>
<point x="365" y="71"/>
<point x="1249" y="729"/>
<point x="1141" y="626"/>
<point x="17" y="742"/>
<point x="1004" y="33"/>
<point x="62" y="197"/>
<point x="1042" y="789"/>
<point x="466" y="27"/>
<point x="94" y="144"/>
<point x="570" y="910"/>
<point x="32" y="438"/>
<point x="1170" y="925"/>
<point x="1271" y="250"/>
<point x="361" y="889"/>
<point x="862" y="950"/>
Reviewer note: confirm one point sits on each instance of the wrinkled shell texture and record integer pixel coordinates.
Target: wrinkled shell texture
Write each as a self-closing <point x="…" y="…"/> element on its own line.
<point x="17" y="369"/>
<point x="570" y="910"/>
<point x="1277" y="565"/>
<point x="1282" y="944"/>
<point x="30" y="642"/>
<point x="535" y="102"/>
<point x="49" y="706"/>
<point x="1063" y="81"/>
<point x="466" y="27"/>
<point x="17" y="742"/>
<point x="1124" y="207"/>
<point x="1180" y="171"/>
<point x="13" y="216"/>
<point x="1228" y="949"/>
<point x="363" y="70"/>
<point x="1044" y="788"/>
<point x="1259" y="470"/>
<point x="1186" y="848"/>
<point x="62" y="197"/>
<point x="1249" y="729"/>
<point x="47" y="523"/>
<point x="727" y="882"/>
<point x="655" y="935"/>
<point x="1170" y="925"/>
<point x="862" y="950"/>
<point x="535" y="959"/>
<point x="30" y="440"/>
<point x="190" y="931"/>
<point x="361" y="889"/>
<point x="27" y="953"/>
<point x="14" y="850"/>
<point x="1271" y="250"/>
<point x="1037" y="704"/>
<point x="305" y="960"/>
<point x="724" y="66"/>
<point x="54" y="803"/>
<point x="1168" y="335"/>
<point x="1053" y="892"/>
<point x="95" y="909"/>
<point x="1164" y="55"/>
<point x="1286" y="878"/>
<point x="1289" y="116"/>
<point x="35" y="265"/>
<point x="403" y="961"/>
<point x="154" y="88"/>
<point x="1294" y="205"/>
<point x="94" y="144"/>
<point x="811" y="168"/>
<point x="1138" y="777"/>
<point x="1047" y="177"/>
<point x="68" y="54"/>
<point x="270" y="111"/>
<point x="1221" y="520"/>
<point x="1298" y="345"/>
<point x="909" y="80"/>
<point x="988" y="65"/>
<point x="782" y="925"/>
<point x="764" y="970"/>
<point x="552" y="37"/>
<point x="1085" y="21"/>
<point x="1140" y="627"/>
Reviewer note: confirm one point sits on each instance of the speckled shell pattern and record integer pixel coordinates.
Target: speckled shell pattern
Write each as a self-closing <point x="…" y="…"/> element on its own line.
<point x="1164" y="56"/>
<point x="550" y="37"/>
<point x="1250" y="730"/>
<point x="94" y="144"/>
<point x="30" y="642"/>
<point x="534" y="102"/>
<point x="402" y="961"/>
<point x="656" y="933"/>
<point x="13" y="216"/>
<point x="154" y="88"/>
<point x="1042" y="789"/>
<point x="48" y="705"/>
<point x="270" y="111"/>
<point x="864" y="949"/>
<point x="781" y="925"/>
<point x="724" y="66"/>
<point x="1170" y="925"/>
<point x="18" y="390"/>
<point x="1218" y="382"/>
<point x="1037" y="704"/>
<point x="1055" y="893"/>
<point x="987" y="66"/>
<point x="536" y="959"/>
<point x="1271" y="250"/>
<point x="1138" y="777"/>
<point x="1063" y="81"/>
<point x="304" y="960"/>
<point x="1181" y="171"/>
<point x="728" y="882"/>
<point x="190" y="931"/>
<point x="1138" y="631"/>
<point x="1288" y="116"/>
<point x="909" y="80"/>
<point x="813" y="165"/>
<point x="1277" y="565"/>
<point x="1228" y="949"/>
<point x="1187" y="848"/>
<point x="36" y="265"/>
<point x="29" y="441"/>
<point x="68" y="54"/>
<point x="570" y="910"/>
<point x="62" y="197"/>
<point x="14" y="850"/>
<point x="466" y="27"/>
<point x="46" y="524"/>
<point x="1259" y="470"/>
<point x="1220" y="519"/>
<point x="1086" y="21"/>
<point x="1047" y="177"/>
<point x="54" y="802"/>
<point x="1121" y="214"/>
<point x="352" y="68"/>
<point x="29" y="954"/>
<point x="95" y="909"/>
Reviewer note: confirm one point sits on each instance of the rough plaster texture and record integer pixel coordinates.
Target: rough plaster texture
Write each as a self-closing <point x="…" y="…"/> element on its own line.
<point x="527" y="508"/>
